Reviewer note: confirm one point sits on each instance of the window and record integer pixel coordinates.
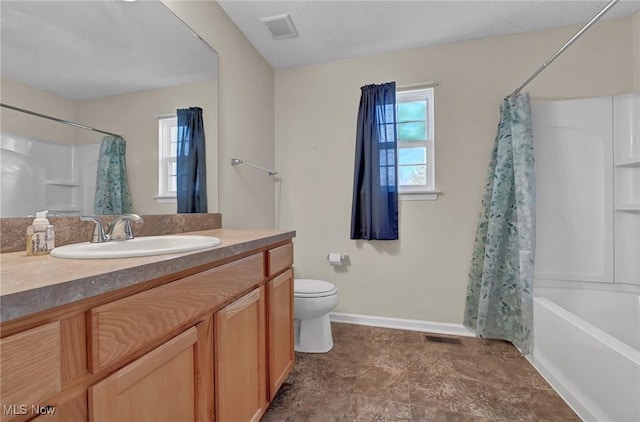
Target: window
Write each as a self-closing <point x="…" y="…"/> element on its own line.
<point x="167" y="153"/>
<point x="414" y="124"/>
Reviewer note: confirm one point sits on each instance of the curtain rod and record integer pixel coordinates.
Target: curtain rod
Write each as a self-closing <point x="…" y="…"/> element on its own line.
<point x="55" y="119"/>
<point x="431" y="84"/>
<point x="565" y="46"/>
<point x="165" y="116"/>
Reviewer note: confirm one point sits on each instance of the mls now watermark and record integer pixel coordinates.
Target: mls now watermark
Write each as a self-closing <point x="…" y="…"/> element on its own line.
<point x="23" y="409"/>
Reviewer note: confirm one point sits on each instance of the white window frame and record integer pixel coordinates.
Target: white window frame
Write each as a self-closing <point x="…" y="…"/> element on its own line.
<point x="427" y="191"/>
<point x="165" y="124"/>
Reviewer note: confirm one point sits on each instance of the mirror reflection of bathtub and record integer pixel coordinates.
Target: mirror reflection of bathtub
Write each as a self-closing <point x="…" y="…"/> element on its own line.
<point x="20" y="174"/>
<point x="38" y="175"/>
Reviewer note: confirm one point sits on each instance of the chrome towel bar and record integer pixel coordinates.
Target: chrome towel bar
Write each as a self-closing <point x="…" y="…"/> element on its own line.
<point x="236" y="161"/>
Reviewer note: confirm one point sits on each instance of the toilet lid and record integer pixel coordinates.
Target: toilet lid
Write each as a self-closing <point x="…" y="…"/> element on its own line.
<point x="305" y="287"/>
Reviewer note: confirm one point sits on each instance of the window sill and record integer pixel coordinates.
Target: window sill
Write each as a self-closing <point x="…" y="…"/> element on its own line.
<point x="419" y="196"/>
<point x="165" y="199"/>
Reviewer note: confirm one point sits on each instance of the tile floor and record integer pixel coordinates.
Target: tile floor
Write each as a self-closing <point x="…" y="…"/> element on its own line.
<point x="380" y="374"/>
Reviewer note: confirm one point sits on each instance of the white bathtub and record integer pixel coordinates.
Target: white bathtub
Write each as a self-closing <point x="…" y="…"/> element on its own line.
<point x="587" y="345"/>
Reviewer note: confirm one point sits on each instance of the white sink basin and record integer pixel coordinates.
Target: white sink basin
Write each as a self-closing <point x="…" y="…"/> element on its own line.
<point x="140" y="246"/>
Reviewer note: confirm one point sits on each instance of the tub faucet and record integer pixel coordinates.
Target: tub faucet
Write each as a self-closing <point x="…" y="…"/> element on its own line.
<point x="119" y="229"/>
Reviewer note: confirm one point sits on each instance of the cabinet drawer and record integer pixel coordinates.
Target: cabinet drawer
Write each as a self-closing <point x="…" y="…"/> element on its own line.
<point x="126" y="325"/>
<point x="30" y="366"/>
<point x="280" y="258"/>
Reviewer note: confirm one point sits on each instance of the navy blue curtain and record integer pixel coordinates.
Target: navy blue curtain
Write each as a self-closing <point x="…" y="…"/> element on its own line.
<point x="191" y="166"/>
<point x="374" y="210"/>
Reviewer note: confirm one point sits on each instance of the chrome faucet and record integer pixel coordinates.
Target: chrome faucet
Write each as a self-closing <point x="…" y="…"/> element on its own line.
<point x="98" y="230"/>
<point x="119" y="229"/>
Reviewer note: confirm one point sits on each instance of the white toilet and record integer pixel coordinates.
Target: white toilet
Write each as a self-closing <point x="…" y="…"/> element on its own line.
<point x="313" y="300"/>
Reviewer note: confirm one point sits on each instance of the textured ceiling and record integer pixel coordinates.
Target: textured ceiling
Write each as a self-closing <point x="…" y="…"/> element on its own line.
<point x="334" y="30"/>
<point x="89" y="49"/>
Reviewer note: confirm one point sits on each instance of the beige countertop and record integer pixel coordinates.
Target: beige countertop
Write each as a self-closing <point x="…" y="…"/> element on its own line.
<point x="30" y="284"/>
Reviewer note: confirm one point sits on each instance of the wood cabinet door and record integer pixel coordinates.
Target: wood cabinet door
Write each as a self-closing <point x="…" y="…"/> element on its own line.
<point x="280" y="330"/>
<point x="31" y="368"/>
<point x="167" y="384"/>
<point x="240" y="359"/>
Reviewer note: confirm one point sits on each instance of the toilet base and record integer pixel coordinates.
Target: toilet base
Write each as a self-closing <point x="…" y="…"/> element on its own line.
<point x="313" y="335"/>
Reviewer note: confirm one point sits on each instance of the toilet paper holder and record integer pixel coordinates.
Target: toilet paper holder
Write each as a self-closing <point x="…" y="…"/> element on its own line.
<point x="343" y="257"/>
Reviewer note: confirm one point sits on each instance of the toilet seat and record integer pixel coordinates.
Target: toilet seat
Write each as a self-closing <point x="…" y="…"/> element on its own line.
<point x="305" y="287"/>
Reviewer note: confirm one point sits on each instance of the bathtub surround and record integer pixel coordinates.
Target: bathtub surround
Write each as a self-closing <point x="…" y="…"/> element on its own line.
<point x="72" y="230"/>
<point x="587" y="273"/>
<point x="500" y="290"/>
<point x="424" y="275"/>
<point x="589" y="202"/>
<point x="374" y="207"/>
<point x="636" y="51"/>
<point x="626" y="180"/>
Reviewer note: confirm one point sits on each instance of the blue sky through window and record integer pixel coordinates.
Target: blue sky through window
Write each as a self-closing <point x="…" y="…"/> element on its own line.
<point x="412" y="155"/>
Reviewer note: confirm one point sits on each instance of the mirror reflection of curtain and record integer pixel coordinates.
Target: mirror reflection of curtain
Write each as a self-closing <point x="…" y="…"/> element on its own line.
<point x="191" y="165"/>
<point x="112" y="188"/>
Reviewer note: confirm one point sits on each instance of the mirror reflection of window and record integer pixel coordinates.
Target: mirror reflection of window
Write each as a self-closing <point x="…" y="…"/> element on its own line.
<point x="168" y="151"/>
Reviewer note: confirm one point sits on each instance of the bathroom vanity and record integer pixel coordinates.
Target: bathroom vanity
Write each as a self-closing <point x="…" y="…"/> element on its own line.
<point x="205" y="335"/>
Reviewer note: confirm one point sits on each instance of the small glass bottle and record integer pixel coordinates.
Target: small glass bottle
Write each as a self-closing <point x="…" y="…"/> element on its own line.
<point x="40" y="235"/>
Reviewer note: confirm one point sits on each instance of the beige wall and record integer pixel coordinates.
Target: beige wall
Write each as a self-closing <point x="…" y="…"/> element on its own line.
<point x="134" y="117"/>
<point x="246" y="102"/>
<point x="423" y="275"/>
<point x="27" y="97"/>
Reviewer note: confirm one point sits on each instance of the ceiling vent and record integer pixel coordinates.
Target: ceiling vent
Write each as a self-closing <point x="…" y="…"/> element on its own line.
<point x="280" y="26"/>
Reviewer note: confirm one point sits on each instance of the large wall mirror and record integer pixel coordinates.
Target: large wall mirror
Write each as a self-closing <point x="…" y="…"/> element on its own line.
<point x="111" y="65"/>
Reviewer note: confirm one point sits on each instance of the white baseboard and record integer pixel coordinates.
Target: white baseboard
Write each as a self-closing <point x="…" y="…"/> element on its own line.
<point x="403" y="324"/>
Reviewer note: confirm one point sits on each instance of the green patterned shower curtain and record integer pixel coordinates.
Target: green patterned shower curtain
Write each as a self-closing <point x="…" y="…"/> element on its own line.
<point x="112" y="188"/>
<point x="499" y="294"/>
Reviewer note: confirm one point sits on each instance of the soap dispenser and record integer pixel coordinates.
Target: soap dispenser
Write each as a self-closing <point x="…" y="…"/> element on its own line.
<point x="40" y="235"/>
